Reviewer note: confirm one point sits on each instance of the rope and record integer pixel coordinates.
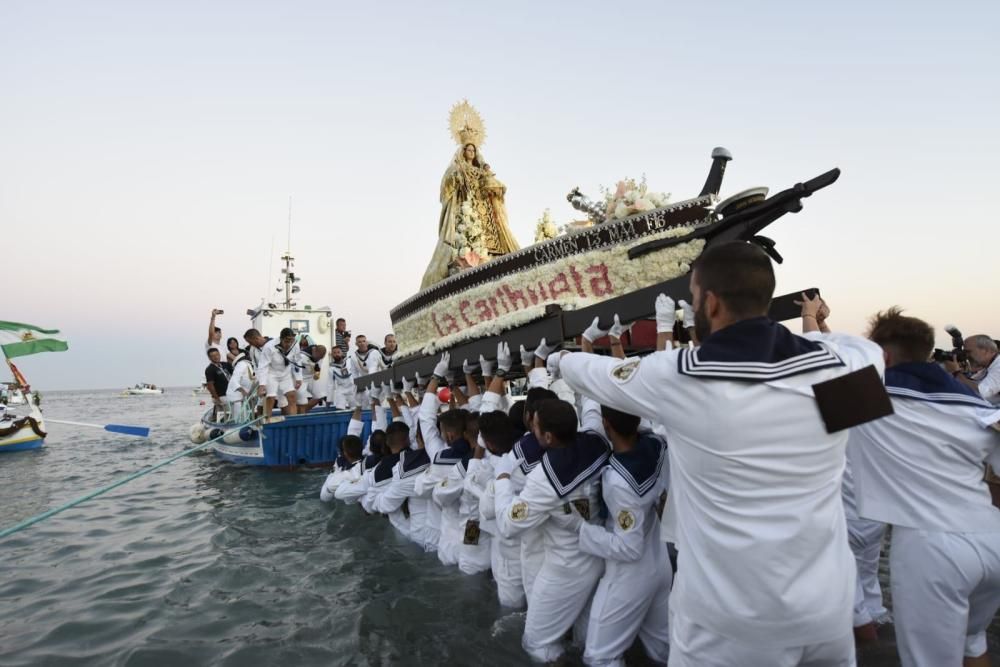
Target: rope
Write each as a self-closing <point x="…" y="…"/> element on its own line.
<point x="6" y="532"/>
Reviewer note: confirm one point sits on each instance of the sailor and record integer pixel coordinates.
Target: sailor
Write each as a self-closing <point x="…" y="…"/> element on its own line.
<point x="340" y="391"/>
<point x="346" y="468"/>
<point x="277" y="375"/>
<point x="381" y="476"/>
<point x="406" y="512"/>
<point x="387" y="354"/>
<point x="921" y="471"/>
<point x="632" y="597"/>
<point x="241" y="382"/>
<point x="352" y="490"/>
<point x="310" y="361"/>
<point x="364" y="359"/>
<point x="755" y="476"/>
<point x="255" y="343"/>
<point x="566" y="481"/>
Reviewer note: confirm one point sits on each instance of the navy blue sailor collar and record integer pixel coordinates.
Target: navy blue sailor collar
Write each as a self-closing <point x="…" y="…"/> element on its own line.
<point x="458" y="452"/>
<point x="640" y="467"/>
<point x="413" y="462"/>
<point x="929" y="382"/>
<point x="755" y="350"/>
<point x="370" y="462"/>
<point x="529" y="451"/>
<point x="383" y="470"/>
<point x="568" y="467"/>
<point x="342" y="463"/>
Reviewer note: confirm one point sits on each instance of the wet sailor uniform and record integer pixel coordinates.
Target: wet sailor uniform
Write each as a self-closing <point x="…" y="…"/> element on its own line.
<point x="633" y="595"/>
<point x="378" y="483"/>
<point x="423" y="487"/>
<point x="865" y="539"/>
<point x="276" y="371"/>
<point x="242" y="378"/>
<point x="363" y="363"/>
<point x="451" y="495"/>
<point x="406" y="512"/>
<point x="568" y="576"/>
<point x="343" y="472"/>
<point x="353" y="490"/>
<point x="921" y="471"/>
<point x="754" y="488"/>
<point x="341" y="392"/>
<point x="451" y="526"/>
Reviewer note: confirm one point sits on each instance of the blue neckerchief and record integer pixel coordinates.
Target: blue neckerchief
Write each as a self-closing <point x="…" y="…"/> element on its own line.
<point x="458" y="452"/>
<point x="929" y="382"/>
<point x="569" y="467"/>
<point x="529" y="450"/>
<point x="383" y="470"/>
<point x="370" y="462"/>
<point x="755" y="350"/>
<point x="641" y="467"/>
<point x="414" y="461"/>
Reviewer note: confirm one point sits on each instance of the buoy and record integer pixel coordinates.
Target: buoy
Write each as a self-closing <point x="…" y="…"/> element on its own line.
<point x="215" y="433"/>
<point x="444" y="395"/>
<point x="201" y="402"/>
<point x="197" y="433"/>
<point x="239" y="435"/>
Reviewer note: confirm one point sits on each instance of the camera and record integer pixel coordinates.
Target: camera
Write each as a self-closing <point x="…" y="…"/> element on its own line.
<point x="957" y="353"/>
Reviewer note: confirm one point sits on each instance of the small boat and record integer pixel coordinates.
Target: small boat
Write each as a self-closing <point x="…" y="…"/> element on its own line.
<point x="11" y="394"/>
<point x="21" y="433"/>
<point x="142" y="389"/>
<point x="198" y="391"/>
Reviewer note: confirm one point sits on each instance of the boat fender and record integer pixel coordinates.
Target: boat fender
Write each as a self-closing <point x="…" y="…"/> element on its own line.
<point x="239" y="435"/>
<point x="197" y="433"/>
<point x="215" y="433"/>
<point x="247" y="434"/>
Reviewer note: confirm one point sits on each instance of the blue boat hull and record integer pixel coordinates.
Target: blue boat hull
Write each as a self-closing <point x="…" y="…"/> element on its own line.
<point x="23" y="445"/>
<point x="312" y="439"/>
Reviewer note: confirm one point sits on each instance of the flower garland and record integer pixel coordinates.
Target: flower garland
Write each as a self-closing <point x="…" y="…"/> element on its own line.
<point x="545" y="229"/>
<point x="439" y="325"/>
<point x="630" y="198"/>
<point x="471" y="240"/>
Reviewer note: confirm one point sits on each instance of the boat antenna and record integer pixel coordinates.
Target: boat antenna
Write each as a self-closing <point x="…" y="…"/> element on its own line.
<point x="270" y="269"/>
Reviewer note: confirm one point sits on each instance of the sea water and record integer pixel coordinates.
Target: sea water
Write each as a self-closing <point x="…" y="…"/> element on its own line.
<point x="207" y="563"/>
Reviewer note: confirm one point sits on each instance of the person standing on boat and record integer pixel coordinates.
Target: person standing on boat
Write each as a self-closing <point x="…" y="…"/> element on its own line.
<point x="214" y="340"/>
<point x="364" y="359"/>
<point x="311" y="393"/>
<point x="255" y="343"/>
<point x="341" y="336"/>
<point x="232" y="350"/>
<point x="387" y="354"/>
<point x="241" y="383"/>
<point x="340" y="391"/>
<point x="277" y="375"/>
<point x="217" y="375"/>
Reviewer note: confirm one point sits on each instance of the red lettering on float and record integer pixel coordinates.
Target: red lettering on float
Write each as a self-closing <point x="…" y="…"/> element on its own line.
<point x="461" y="311"/>
<point x="503" y="301"/>
<point x="541" y="291"/>
<point x="532" y="296"/>
<point x="577" y="280"/>
<point x="559" y="285"/>
<point x="493" y="306"/>
<point x="600" y="284"/>
<point x="434" y="319"/>
<point x="452" y="324"/>
<point x="485" y="314"/>
<point x="517" y="295"/>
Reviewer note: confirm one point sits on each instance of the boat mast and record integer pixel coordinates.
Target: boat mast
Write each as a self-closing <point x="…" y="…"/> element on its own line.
<point x="290" y="279"/>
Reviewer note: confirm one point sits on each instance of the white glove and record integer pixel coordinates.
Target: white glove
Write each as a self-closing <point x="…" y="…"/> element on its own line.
<point x="418" y="381"/>
<point x="467" y="368"/>
<point x="407" y="385"/>
<point x="506" y="464"/>
<point x="527" y="358"/>
<point x="666" y="314"/>
<point x="450" y="378"/>
<point x="552" y="364"/>
<point x="487" y="366"/>
<point x="387" y="391"/>
<point x="594" y="331"/>
<point x="441" y="369"/>
<point x="504" y="360"/>
<point x="688" y="313"/>
<point x="617" y="329"/>
<point x="363" y="397"/>
<point x="543" y="351"/>
<point x="375" y="392"/>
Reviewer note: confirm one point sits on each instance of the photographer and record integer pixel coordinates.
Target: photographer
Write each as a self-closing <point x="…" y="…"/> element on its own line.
<point x="982" y="352"/>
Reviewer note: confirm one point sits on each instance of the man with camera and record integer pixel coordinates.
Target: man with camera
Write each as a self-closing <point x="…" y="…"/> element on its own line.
<point x="214" y="340"/>
<point x="981" y="351"/>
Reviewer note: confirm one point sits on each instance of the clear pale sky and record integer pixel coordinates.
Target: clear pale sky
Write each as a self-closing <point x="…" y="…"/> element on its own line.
<point x="148" y="150"/>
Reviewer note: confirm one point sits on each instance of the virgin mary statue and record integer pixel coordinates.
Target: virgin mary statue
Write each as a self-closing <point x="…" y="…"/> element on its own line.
<point x="473" y="225"/>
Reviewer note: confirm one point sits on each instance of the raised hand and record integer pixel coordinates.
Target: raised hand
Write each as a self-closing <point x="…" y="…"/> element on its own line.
<point x="666" y="314"/>
<point x="441" y="369"/>
<point x="504" y="358"/>
<point x="617" y="329"/>
<point x="486" y="365"/>
<point x="688" y="320"/>
<point x="594" y="331"/>
<point x="543" y="350"/>
<point x="527" y="358"/>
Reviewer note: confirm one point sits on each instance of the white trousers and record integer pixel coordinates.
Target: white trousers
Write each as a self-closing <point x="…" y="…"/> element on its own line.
<point x="945" y="592"/>
<point x="308" y="389"/>
<point x="505" y="560"/>
<point x="692" y="645"/>
<point x="632" y="599"/>
<point x="865" y="539"/>
<point x="474" y="558"/>
<point x="532" y="556"/>
<point x="451" y="538"/>
<point x="280" y="384"/>
<point x="558" y="597"/>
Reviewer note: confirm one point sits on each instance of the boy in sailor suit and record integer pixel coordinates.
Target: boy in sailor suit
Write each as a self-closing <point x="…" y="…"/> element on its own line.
<point x="395" y="500"/>
<point x="765" y="577"/>
<point x="567" y="477"/>
<point x="921" y="470"/>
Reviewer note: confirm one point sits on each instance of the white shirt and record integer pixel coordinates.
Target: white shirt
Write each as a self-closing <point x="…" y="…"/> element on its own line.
<point x="922" y="467"/>
<point x="359" y="367"/>
<point x="273" y="366"/>
<point x="755" y="481"/>
<point x="989" y="386"/>
<point x="242" y="378"/>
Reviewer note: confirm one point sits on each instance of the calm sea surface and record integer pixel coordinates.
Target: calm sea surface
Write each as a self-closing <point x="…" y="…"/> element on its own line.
<point x="205" y="563"/>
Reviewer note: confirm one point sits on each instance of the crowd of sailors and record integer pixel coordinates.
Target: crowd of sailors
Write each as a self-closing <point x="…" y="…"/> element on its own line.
<point x="702" y="499"/>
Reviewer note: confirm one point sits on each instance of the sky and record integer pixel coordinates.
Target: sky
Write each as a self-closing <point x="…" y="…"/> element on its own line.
<point x="148" y="151"/>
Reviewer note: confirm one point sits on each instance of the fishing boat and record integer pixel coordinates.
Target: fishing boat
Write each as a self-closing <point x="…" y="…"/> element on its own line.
<point x="11" y="394"/>
<point x="19" y="340"/>
<point x="142" y="389"/>
<point x="311" y="439"/>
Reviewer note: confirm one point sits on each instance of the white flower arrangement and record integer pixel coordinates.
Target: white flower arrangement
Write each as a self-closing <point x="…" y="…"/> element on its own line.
<point x="545" y="229"/>
<point x="470" y="243"/>
<point x="477" y="311"/>
<point x="630" y="198"/>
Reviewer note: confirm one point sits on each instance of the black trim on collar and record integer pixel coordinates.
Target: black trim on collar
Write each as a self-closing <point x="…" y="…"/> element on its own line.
<point x="640" y="468"/>
<point x="568" y="467"/>
<point x="383" y="471"/>
<point x="458" y="452"/>
<point x="529" y="451"/>
<point x="413" y="462"/>
<point x="930" y="383"/>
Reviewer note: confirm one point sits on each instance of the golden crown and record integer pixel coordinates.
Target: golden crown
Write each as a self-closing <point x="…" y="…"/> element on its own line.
<point x="466" y="125"/>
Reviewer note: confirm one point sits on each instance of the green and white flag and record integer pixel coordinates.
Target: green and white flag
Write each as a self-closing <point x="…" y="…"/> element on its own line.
<point x="18" y="340"/>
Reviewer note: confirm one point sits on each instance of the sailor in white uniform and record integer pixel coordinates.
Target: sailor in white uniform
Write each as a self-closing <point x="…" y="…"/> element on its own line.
<point x="348" y="465"/>
<point x="363" y="359"/>
<point x="392" y="499"/>
<point x="566" y="481"/>
<point x="277" y="375"/>
<point x="312" y="391"/>
<point x="240" y="382"/>
<point x="921" y="471"/>
<point x="632" y="596"/>
<point x="340" y="392"/>
<point x="453" y="496"/>
<point x="754" y="476"/>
